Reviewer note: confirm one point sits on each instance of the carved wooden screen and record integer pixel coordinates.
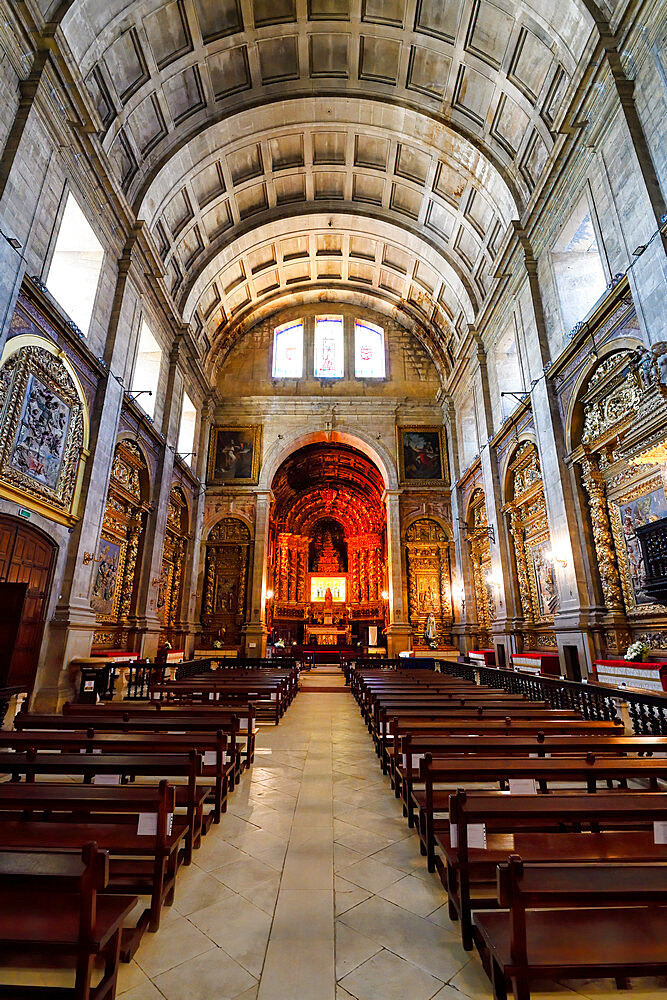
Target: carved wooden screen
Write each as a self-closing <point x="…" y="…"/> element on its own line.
<point x="114" y="578"/>
<point x="527" y="512"/>
<point x="480" y="558"/>
<point x="173" y="557"/>
<point x="225" y="585"/>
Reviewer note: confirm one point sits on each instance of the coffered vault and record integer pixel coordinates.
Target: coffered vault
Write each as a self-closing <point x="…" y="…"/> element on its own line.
<point x="292" y="147"/>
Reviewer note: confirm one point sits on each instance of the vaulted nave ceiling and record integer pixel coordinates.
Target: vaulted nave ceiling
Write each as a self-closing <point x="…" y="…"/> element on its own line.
<point x="364" y="150"/>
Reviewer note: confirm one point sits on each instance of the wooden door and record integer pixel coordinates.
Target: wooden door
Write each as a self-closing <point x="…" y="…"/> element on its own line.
<point x="27" y="556"/>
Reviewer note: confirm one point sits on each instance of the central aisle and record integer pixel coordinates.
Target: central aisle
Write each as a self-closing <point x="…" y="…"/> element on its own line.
<point x="312" y="887"/>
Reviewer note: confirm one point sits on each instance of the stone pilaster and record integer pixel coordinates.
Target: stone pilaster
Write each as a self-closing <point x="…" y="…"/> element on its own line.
<point x="255" y="630"/>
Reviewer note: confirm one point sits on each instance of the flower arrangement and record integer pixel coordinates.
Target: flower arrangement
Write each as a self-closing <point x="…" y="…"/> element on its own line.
<point x="636" y="651"/>
<point x="217" y="644"/>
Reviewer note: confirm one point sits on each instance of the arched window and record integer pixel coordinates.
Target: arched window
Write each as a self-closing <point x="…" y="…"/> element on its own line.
<point x="369" y="359"/>
<point x="288" y="350"/>
<point x="329" y="347"/>
<point x="76" y="264"/>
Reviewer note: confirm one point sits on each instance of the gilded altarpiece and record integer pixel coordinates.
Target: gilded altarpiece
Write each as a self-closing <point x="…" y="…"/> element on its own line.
<point x="226" y="580"/>
<point x="429" y="579"/>
<point x="480" y="558"/>
<point x="616" y="415"/>
<point x="171" y="572"/>
<point x="527" y="515"/>
<point x="112" y="596"/>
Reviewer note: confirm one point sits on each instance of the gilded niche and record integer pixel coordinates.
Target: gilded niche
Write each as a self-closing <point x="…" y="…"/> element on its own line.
<point x="480" y="557"/>
<point x="429" y="578"/>
<point x="613" y="394"/>
<point x="225" y="583"/>
<point x="44" y="430"/>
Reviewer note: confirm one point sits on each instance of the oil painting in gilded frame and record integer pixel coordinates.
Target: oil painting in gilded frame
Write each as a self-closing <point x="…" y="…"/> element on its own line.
<point x="422" y="458"/>
<point x="106" y="593"/>
<point x="234" y="455"/>
<point x="640" y="506"/>
<point x="43" y="429"/>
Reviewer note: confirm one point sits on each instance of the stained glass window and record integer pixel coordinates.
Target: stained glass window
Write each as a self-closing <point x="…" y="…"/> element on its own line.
<point x="288" y="350"/>
<point x="329" y="347"/>
<point x="368" y="350"/>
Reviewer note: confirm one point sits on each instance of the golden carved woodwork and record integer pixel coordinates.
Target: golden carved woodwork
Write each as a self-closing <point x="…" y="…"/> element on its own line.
<point x="612" y="395"/>
<point x="173" y="557"/>
<point x="429" y="578"/>
<point x="604" y="543"/>
<point x="43" y="436"/>
<point x="529" y="530"/>
<point x="480" y="558"/>
<point x="122" y="526"/>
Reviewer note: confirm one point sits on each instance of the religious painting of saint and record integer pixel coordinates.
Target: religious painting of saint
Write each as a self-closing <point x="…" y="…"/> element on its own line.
<point x="545" y="579"/>
<point x="41" y="436"/>
<point x="234" y="455"/>
<point x="421" y="455"/>
<point x="428" y="593"/>
<point x="107" y="579"/>
<point x="630" y="516"/>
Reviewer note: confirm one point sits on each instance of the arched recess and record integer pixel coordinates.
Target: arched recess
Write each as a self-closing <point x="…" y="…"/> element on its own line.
<point x="45" y="429"/>
<point x="173" y="558"/>
<point x="285" y="446"/>
<point x="227" y="562"/>
<point x="477" y="537"/>
<point x="428" y="562"/>
<point x="27" y="556"/>
<point x="115" y="578"/>
<point x="616" y="420"/>
<point x="525" y="508"/>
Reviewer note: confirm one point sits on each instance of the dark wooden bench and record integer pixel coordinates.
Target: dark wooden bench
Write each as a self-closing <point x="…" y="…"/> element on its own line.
<point x="573" y="921"/>
<point x="105" y="767"/>
<point x="559" y="827"/>
<point x="218" y="764"/>
<point x="412" y="747"/>
<point x="53" y="909"/>
<point x="63" y="817"/>
<point x="586" y="771"/>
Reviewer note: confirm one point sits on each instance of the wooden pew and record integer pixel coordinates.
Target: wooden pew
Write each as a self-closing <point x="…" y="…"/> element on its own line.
<point x="211" y="746"/>
<point x="141" y="719"/>
<point x="411" y="747"/>
<point x="573" y="921"/>
<point x="53" y="907"/>
<point x="540" y="828"/>
<point x="189" y="796"/>
<point x="459" y="771"/>
<point x="64" y="817"/>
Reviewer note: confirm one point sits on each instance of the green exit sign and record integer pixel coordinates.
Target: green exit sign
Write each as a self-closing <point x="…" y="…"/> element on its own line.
<point x="24" y="513"/>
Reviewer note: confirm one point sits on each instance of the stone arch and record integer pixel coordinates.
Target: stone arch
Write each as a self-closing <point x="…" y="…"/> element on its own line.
<point x="365" y="443"/>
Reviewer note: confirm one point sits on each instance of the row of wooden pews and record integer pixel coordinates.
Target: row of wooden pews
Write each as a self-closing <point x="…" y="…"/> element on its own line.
<point x="548" y="830"/>
<point x="101" y="805"/>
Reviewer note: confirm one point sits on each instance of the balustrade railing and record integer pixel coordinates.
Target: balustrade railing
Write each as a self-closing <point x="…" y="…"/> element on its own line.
<point x="647" y="711"/>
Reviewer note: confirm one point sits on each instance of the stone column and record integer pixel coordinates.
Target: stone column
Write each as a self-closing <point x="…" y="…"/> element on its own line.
<point x="255" y="630"/>
<point x="399" y="633"/>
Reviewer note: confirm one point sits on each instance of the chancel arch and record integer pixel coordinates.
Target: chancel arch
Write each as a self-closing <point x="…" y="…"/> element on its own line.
<point x="327" y="548"/>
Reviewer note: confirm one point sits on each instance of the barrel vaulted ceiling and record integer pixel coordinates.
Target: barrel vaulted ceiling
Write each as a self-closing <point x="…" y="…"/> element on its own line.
<point x="375" y="149"/>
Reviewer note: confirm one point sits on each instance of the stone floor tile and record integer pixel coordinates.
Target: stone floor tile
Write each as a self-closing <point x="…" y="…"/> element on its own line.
<point x="352" y="949"/>
<point x="196" y="889"/>
<point x="347" y="895"/>
<point x="415" y="894"/>
<point x="213" y="975"/>
<point x="245" y="875"/>
<point x="371" y="874"/>
<point x="242" y="930"/>
<point x="387" y="977"/>
<point x="171" y="945"/>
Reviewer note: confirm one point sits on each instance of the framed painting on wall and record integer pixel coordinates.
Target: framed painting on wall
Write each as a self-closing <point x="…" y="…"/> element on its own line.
<point x="421" y="455"/>
<point x="234" y="455"/>
<point x="105" y="595"/>
<point x="546" y="588"/>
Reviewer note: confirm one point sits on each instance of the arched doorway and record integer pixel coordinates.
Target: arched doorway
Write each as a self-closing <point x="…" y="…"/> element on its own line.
<point x="27" y="556"/>
<point x="327" y="549"/>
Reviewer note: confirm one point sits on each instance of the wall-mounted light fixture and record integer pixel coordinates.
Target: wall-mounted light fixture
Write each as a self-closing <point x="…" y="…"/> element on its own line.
<point x="385" y="595"/>
<point x="269" y="595"/>
<point x="551" y="557"/>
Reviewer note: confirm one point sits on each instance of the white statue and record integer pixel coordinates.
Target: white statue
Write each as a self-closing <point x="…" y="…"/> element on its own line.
<point x="430" y="631"/>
